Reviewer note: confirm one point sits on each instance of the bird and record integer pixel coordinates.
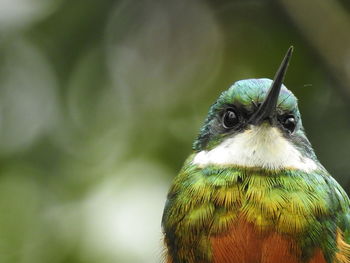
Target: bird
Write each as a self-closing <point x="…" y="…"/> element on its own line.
<point x="252" y="190"/>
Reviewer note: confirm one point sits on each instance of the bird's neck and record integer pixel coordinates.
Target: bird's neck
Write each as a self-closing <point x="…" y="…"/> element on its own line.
<point x="264" y="147"/>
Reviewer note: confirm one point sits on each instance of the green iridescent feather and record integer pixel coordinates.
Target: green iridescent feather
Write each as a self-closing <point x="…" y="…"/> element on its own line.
<point x="205" y="202"/>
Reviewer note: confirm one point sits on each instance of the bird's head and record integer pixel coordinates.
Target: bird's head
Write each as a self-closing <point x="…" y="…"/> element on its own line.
<point x="256" y="123"/>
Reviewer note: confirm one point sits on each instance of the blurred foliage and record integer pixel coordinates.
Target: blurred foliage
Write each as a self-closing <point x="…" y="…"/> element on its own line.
<point x="100" y="102"/>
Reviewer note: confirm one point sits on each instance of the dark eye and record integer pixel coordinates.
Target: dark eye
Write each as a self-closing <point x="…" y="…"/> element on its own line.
<point x="229" y="119"/>
<point x="289" y="123"/>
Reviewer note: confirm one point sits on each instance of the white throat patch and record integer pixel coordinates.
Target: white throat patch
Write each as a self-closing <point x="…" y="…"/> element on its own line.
<point x="262" y="146"/>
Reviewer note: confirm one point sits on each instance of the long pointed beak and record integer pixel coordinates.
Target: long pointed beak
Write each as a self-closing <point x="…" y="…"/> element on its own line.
<point x="267" y="110"/>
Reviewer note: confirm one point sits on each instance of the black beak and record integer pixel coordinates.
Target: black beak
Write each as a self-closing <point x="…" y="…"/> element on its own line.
<point x="267" y="110"/>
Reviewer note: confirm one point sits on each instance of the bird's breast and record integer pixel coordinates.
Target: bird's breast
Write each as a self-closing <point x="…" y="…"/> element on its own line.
<point x="245" y="215"/>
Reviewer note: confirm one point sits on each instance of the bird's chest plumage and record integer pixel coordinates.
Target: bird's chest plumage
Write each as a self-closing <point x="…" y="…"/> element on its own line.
<point x="217" y="215"/>
<point x="270" y="215"/>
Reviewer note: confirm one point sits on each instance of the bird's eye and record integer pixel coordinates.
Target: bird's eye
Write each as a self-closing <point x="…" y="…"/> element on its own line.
<point x="289" y="123"/>
<point x="229" y="119"/>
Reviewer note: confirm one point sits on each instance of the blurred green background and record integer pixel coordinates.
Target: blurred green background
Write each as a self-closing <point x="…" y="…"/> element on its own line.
<point x="100" y="102"/>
